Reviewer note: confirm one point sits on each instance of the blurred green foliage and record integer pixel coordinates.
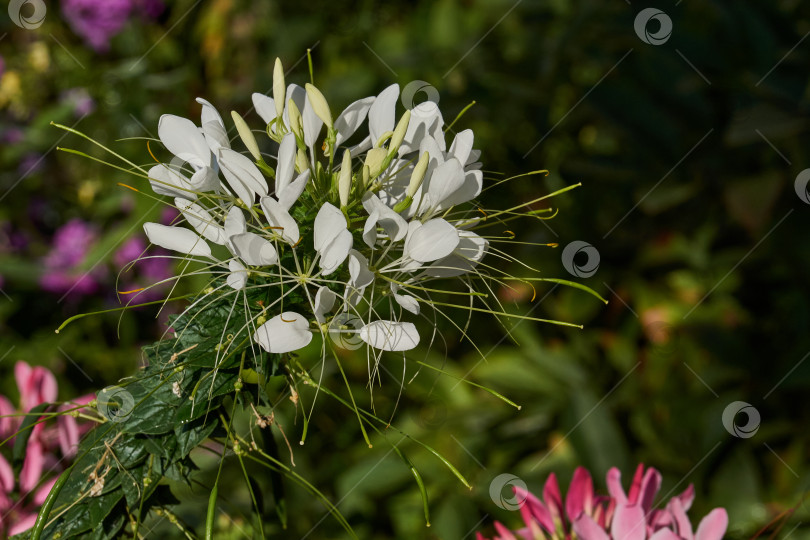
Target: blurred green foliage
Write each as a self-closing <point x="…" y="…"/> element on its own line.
<point x="687" y="153"/>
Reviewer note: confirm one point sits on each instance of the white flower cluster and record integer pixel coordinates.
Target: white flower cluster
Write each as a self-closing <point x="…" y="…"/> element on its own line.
<point x="361" y="234"/>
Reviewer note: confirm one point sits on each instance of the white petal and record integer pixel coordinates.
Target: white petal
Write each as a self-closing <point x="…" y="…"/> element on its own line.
<point x="462" y="146"/>
<point x="408" y="303"/>
<point x="390" y="335"/>
<point x="238" y="276"/>
<point x="370" y="229"/>
<point x="470" y="189"/>
<point x="284" y="333"/>
<point x="278" y="217"/>
<point x="299" y="97"/>
<point x="382" y="112"/>
<point x="183" y="138"/>
<point x="202" y="221"/>
<point x="253" y="249"/>
<point x="433" y="240"/>
<point x="395" y="225"/>
<point x="324" y="302"/>
<point x="265" y="107"/>
<point x="445" y="180"/>
<point x="293" y="190"/>
<point x="212" y="126"/>
<point x="176" y="239"/>
<point x="286" y="163"/>
<point x="469" y="252"/>
<point x="235" y="222"/>
<point x="336" y="252"/>
<point x="426" y="121"/>
<point x="350" y="119"/>
<point x="360" y="276"/>
<point x="329" y="223"/>
<point x="166" y="181"/>
<point x="205" y="179"/>
<point x="312" y="124"/>
<point x="242" y="175"/>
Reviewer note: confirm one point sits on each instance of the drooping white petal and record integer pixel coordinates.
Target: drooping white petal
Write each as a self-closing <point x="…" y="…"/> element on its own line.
<point x="284" y="333"/>
<point x="183" y="138"/>
<point x="445" y="180"/>
<point x="381" y="115"/>
<point x="293" y="190"/>
<point x="336" y="252"/>
<point x="426" y="121"/>
<point x="242" y="175"/>
<point x="265" y="107"/>
<point x="350" y="119"/>
<point x="213" y="127"/>
<point x="176" y="239"/>
<point x="390" y="335"/>
<point x="253" y="249"/>
<point x="470" y="189"/>
<point x="370" y="229"/>
<point x="237" y="279"/>
<point x="433" y="240"/>
<point x="324" y="302"/>
<point x="408" y="303"/>
<point x="329" y="223"/>
<point x="286" y="162"/>
<point x="360" y="276"/>
<point x="235" y="222"/>
<point x="280" y="219"/>
<point x="395" y="225"/>
<point x="202" y="221"/>
<point x="166" y="181"/>
<point x="469" y="252"/>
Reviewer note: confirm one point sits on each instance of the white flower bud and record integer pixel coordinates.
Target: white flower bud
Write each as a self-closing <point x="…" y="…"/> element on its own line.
<point x="319" y="105"/>
<point x="418" y="174"/>
<point x="301" y="162"/>
<point x="279" y="88"/>
<point x="246" y="136"/>
<point x="345" y="179"/>
<point x="295" y="119"/>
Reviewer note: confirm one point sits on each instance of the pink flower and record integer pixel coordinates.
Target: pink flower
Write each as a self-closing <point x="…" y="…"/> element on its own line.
<point x="619" y="516"/>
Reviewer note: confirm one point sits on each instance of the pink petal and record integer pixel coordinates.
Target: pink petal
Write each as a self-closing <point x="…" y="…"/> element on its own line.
<point x="479" y="536"/>
<point x="532" y="507"/>
<point x="614" y="484"/>
<point x="687" y="497"/>
<point x="628" y="523"/>
<point x="24" y="521"/>
<point x="713" y="526"/>
<point x="45" y="385"/>
<point x="503" y="532"/>
<point x="649" y="488"/>
<point x="635" y="486"/>
<point x="6" y="476"/>
<point x="7" y="423"/>
<point x="42" y="493"/>
<point x="580" y="494"/>
<point x="32" y="466"/>
<point x="22" y="374"/>
<point x="587" y="529"/>
<point x="68" y="434"/>
<point x="553" y="497"/>
<point x="681" y="521"/>
<point x="665" y="534"/>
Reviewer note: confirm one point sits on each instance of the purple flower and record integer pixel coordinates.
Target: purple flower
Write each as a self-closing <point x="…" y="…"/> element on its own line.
<point x="30" y="163"/>
<point x="81" y="101"/>
<point x="97" y="21"/>
<point x="71" y="243"/>
<point x="140" y="278"/>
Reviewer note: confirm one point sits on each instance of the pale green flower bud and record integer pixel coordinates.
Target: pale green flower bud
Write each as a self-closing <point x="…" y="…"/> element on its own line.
<point x="301" y="162"/>
<point x="418" y="174"/>
<point x="246" y="136"/>
<point x="279" y="88"/>
<point x="366" y="176"/>
<point x="345" y="179"/>
<point x="296" y="126"/>
<point x="374" y="161"/>
<point x="399" y="132"/>
<point x="319" y="105"/>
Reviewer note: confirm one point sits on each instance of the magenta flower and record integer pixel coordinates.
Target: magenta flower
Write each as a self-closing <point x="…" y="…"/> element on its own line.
<point x="619" y="516"/>
<point x="21" y="498"/>
<point x="63" y="273"/>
